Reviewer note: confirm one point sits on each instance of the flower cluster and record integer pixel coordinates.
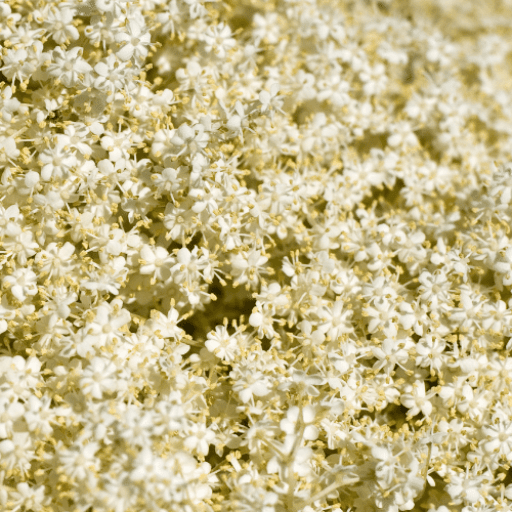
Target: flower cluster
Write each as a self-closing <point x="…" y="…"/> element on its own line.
<point x="255" y="256"/>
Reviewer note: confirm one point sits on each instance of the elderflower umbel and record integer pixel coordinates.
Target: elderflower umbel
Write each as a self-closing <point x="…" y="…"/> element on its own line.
<point x="255" y="256"/>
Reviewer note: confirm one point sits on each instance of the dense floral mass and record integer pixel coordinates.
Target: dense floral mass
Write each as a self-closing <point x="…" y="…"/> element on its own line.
<point x="255" y="255"/>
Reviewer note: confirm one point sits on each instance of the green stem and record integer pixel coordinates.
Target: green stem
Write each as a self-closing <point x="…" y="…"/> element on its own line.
<point x="291" y="458"/>
<point x="330" y="488"/>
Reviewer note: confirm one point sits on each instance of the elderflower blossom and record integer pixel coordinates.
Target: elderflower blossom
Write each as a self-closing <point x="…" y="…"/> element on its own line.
<point x="255" y="256"/>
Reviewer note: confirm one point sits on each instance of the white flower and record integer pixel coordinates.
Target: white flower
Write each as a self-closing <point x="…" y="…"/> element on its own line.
<point x="222" y="344"/>
<point x="112" y="74"/>
<point x="335" y="320"/>
<point x="302" y="461"/>
<point x="263" y="321"/>
<point x="248" y="383"/>
<point x="392" y="352"/>
<point x="156" y="261"/>
<point x="19" y="376"/>
<point x="266" y="27"/>
<point x="39" y="415"/>
<point x="161" y="145"/>
<point x="168" y="181"/>
<point x="55" y="260"/>
<point x="388" y="464"/>
<point x="148" y="466"/>
<point x="497" y="317"/>
<point x="56" y="161"/>
<point x="416" y="399"/>
<point x="22" y="283"/>
<point x="402" y="135"/>
<point x="9" y="105"/>
<point x="69" y="66"/>
<point x="10" y="214"/>
<point x="218" y="40"/>
<point x="116" y="7"/>
<point x="10" y="412"/>
<point x="473" y="402"/>
<point x="118" y="146"/>
<point x="78" y="136"/>
<point x="248" y="266"/>
<point x="414" y="316"/>
<point x="237" y="121"/>
<point x="20" y="243"/>
<point x="382" y="317"/>
<point x="133" y="42"/>
<point x="8" y="148"/>
<point x="503" y="265"/>
<point x="199" y="438"/>
<point x="190" y="138"/>
<point x="32" y="498"/>
<point x="169" y="415"/>
<point x="101" y="30"/>
<point x="465" y="487"/>
<point x="79" y="461"/>
<point x="17" y="452"/>
<point x="300" y="419"/>
<point x="102" y="328"/>
<point x="99" y="377"/>
<point x="166" y="325"/>
<point x="374" y="79"/>
<point x="430" y="352"/>
<point x="434" y="288"/>
<point x="498" y="439"/>
<point x="22" y="64"/>
<point x="305" y="384"/>
<point x="59" y="22"/>
<point x="137" y="427"/>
